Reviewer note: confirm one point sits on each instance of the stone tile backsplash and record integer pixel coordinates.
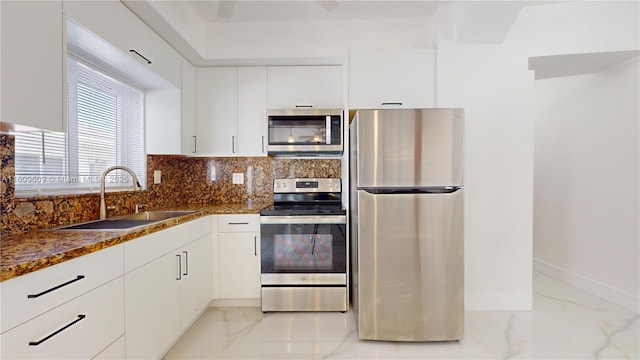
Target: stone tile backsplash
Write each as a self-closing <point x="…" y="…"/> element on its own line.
<point x="184" y="180"/>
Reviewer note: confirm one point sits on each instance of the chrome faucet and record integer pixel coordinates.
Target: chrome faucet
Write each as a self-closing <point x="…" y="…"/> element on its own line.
<point x="103" y="205"/>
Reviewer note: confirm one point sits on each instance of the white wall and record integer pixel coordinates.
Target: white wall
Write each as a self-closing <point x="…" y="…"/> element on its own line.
<point x="492" y="84"/>
<point x="577" y="28"/>
<point x="495" y="88"/>
<point x="587" y="210"/>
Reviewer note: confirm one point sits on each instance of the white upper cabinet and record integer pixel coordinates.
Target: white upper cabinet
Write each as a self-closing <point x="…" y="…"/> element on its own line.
<point x="293" y="87"/>
<point x="252" y="112"/>
<point x="189" y="140"/>
<point x="398" y="78"/>
<point x="33" y="64"/>
<point x="162" y="121"/>
<point x="217" y="110"/>
<point x="231" y="105"/>
<point x="116" y="24"/>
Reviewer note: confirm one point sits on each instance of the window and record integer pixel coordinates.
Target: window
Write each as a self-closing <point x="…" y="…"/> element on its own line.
<point x="104" y="128"/>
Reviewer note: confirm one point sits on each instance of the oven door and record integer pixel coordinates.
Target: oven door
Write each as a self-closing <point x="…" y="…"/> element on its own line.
<point x="303" y="250"/>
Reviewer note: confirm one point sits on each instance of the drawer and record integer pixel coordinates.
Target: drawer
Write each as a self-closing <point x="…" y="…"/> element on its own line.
<point x="239" y="223"/>
<point x="78" y="329"/>
<point x="29" y="295"/>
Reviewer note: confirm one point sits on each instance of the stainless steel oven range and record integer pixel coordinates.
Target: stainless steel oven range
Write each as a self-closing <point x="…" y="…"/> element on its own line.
<point x="304" y="248"/>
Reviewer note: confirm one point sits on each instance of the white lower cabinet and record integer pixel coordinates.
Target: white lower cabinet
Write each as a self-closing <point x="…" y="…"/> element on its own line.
<point x="195" y="287"/>
<point x="168" y="287"/>
<point x="152" y="308"/>
<point x="72" y="310"/>
<point x="87" y="309"/>
<point x="239" y="256"/>
<point x="78" y="329"/>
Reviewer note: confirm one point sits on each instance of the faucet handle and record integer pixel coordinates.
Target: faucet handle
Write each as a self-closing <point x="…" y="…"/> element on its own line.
<point x="139" y="206"/>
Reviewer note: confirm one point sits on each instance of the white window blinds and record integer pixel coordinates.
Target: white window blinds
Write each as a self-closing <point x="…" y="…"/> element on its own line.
<point x="104" y="128"/>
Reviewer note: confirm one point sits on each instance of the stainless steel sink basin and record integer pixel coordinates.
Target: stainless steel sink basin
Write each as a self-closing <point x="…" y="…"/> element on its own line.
<point x="126" y="222"/>
<point x="108" y="224"/>
<point x="154" y="215"/>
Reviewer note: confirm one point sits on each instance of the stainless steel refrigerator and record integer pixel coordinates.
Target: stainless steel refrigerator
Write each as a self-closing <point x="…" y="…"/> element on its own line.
<point x="407" y="233"/>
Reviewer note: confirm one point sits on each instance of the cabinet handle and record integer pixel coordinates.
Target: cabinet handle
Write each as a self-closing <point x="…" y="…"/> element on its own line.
<point x="36" y="343"/>
<point x="79" y="277"/>
<point x="304" y="106"/>
<point x="137" y="53"/>
<point x="263" y="144"/>
<point x="186" y="263"/>
<point x="179" y="277"/>
<point x="195" y="144"/>
<point x="233" y="144"/>
<point x="237" y="223"/>
<point x="391" y="103"/>
<point x="255" y="247"/>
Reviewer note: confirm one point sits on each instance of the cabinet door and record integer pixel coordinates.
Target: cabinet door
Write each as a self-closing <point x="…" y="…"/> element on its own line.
<point x="195" y="285"/>
<point x="189" y="140"/>
<point x="162" y="121"/>
<point x="239" y="265"/>
<point x="152" y="307"/>
<point x="215" y="256"/>
<point x="252" y="111"/>
<point x="32" y="64"/>
<point x="130" y="33"/>
<point x="399" y="78"/>
<point x="217" y="111"/>
<point x="305" y="86"/>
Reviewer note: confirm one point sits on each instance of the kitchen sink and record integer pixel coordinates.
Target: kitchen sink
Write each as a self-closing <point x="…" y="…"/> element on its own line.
<point x="125" y="222"/>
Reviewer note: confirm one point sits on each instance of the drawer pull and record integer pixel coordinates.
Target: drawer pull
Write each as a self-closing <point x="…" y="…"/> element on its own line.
<point x="238" y="223"/>
<point x="186" y="263"/>
<point x="179" y="276"/>
<point x="36" y="343"/>
<point x="391" y="103"/>
<point x="79" y="277"/>
<point x="137" y="53"/>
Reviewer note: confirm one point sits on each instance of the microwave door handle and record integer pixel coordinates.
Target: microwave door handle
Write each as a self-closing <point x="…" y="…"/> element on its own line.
<point x="328" y="130"/>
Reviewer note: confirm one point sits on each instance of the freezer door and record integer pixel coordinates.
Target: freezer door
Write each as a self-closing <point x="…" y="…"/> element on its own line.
<point x="409" y="148"/>
<point x="410" y="267"/>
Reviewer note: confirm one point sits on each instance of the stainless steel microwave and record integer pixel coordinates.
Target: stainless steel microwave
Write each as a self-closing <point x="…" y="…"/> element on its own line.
<point x="305" y="132"/>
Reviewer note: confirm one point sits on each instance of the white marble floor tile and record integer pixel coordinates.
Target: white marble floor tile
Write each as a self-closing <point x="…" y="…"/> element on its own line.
<point x="566" y="323"/>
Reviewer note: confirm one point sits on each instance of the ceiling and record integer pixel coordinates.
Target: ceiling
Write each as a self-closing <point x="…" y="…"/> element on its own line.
<point x="216" y="11"/>
<point x="222" y="32"/>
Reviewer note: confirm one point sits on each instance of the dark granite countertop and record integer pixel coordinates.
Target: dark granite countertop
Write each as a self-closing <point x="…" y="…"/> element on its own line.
<point x="23" y="253"/>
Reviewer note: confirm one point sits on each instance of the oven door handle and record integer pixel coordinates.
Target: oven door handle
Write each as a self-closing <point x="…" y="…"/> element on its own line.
<point x="324" y="219"/>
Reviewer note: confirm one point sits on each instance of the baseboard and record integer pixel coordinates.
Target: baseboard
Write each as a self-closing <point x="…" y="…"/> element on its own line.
<point x="498" y="302"/>
<point x="604" y="291"/>
<point x="235" y="303"/>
